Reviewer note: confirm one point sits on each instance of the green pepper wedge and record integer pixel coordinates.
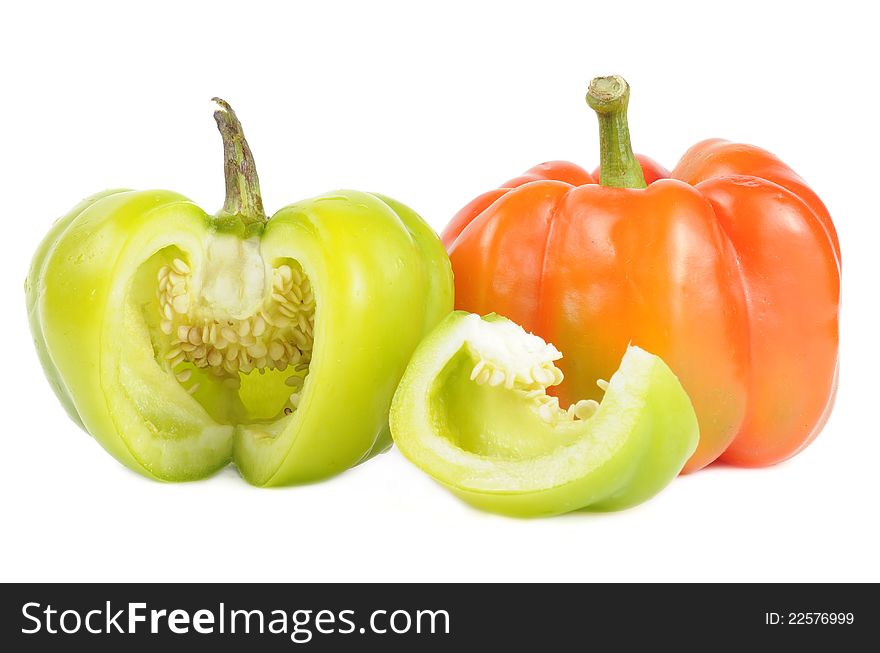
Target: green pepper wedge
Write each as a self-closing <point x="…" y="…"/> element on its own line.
<point x="183" y="341"/>
<point x="472" y="410"/>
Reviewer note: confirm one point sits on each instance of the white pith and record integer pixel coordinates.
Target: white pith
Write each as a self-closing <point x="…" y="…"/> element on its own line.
<point x="509" y="356"/>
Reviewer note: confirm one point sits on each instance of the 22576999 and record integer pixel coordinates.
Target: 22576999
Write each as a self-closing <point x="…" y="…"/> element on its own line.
<point x="808" y="618"/>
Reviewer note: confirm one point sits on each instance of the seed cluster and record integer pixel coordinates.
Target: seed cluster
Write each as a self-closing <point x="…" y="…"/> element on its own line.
<point x="533" y="385"/>
<point x="279" y="335"/>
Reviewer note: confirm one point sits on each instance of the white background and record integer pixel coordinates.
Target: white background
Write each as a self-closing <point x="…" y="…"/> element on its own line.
<point x="431" y="105"/>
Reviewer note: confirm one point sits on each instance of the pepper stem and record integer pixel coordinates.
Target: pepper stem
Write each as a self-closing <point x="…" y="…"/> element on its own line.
<point x="619" y="168"/>
<point x="243" y="201"/>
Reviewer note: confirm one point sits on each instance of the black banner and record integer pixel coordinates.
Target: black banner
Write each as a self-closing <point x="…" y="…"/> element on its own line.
<point x="406" y="617"/>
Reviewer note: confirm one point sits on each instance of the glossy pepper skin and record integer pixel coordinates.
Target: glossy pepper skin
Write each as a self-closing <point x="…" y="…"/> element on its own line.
<point x="380" y="278"/>
<point x="727" y="267"/>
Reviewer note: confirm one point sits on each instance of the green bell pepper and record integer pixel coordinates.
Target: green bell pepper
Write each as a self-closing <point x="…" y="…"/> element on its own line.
<point x="472" y="411"/>
<point x="182" y="341"/>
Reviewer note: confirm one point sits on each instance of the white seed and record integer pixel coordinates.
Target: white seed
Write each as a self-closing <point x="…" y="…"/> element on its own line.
<point x="181" y="304"/>
<point x="295" y="399"/>
<point x="188" y="347"/>
<point x="214" y="358"/>
<point x="300" y="339"/>
<point x="179" y="266"/>
<point x="183" y="333"/>
<point x="276" y="350"/>
<point x="549" y="400"/>
<point x="585" y="408"/>
<point x="603" y="384"/>
<point x="496" y="378"/>
<point x="542" y="375"/>
<point x="286" y="310"/>
<point x="171" y="353"/>
<point x="184" y="376"/>
<point x="193" y="388"/>
<point x="477" y="369"/>
<point x="166" y="326"/>
<point x="294" y="381"/>
<point x="244" y="328"/>
<point x="229" y="334"/>
<point x="259" y="326"/>
<point x="484" y="376"/>
<point x="557" y="376"/>
<point x="168" y="312"/>
<point x="195" y="336"/>
<point x="545" y="412"/>
<point x="177" y="360"/>
<point x="285" y="273"/>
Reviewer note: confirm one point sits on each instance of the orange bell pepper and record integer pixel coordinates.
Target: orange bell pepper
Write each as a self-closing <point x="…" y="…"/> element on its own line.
<point x="728" y="268"/>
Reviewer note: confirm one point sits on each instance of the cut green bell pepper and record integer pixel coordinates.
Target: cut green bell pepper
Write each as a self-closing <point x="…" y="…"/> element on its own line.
<point x="472" y="411"/>
<point x="182" y="341"/>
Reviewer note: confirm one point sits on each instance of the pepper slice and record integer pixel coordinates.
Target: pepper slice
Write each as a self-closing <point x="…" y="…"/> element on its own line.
<point x="182" y="341"/>
<point x="472" y="412"/>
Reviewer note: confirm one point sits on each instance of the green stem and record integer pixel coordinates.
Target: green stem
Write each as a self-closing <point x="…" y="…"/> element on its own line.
<point x="243" y="201"/>
<point x="619" y="168"/>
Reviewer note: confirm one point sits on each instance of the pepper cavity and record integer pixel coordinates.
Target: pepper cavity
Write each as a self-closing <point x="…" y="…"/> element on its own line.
<point x="277" y="335"/>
